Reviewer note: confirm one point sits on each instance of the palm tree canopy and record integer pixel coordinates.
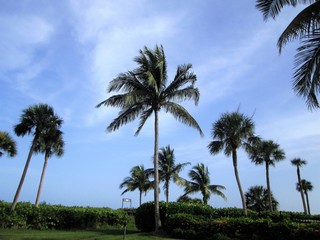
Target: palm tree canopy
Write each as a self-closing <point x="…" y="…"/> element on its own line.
<point x="231" y="131"/>
<point x="37" y="120"/>
<point x="201" y="183"/>
<point x="298" y="162"/>
<point x="144" y="91"/>
<point x="257" y="199"/>
<point x="139" y="179"/>
<point x="168" y="170"/>
<point x="306" y="186"/>
<point x="51" y="143"/>
<point x="267" y="152"/>
<point x="305" y="26"/>
<point x="7" y="144"/>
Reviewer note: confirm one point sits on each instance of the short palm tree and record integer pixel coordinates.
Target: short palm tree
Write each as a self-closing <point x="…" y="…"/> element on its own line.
<point x="298" y="162"/>
<point x="200" y="182"/>
<point x="7" y="144"/>
<point x="231" y="132"/>
<point x="145" y="91"/>
<point x="257" y="199"/>
<point x="168" y="170"/>
<point x="268" y="153"/>
<point x="35" y="120"/>
<point x="139" y="179"/>
<point x="50" y="144"/>
<point x="306" y="187"/>
<point x="305" y="26"/>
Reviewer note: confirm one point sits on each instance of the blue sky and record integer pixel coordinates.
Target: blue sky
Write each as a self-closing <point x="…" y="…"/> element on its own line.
<point x="64" y="53"/>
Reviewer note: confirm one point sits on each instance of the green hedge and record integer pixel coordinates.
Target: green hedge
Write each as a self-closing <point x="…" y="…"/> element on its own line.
<point x="58" y="217"/>
<point x="187" y="226"/>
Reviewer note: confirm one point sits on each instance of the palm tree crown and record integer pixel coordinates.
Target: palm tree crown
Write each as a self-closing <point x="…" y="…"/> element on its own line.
<point x="257" y="199"/>
<point x="7" y="144"/>
<point x="139" y="179"/>
<point x="168" y="170"/>
<point x="231" y="132"/>
<point x="201" y="183"/>
<point x="305" y="26"/>
<point x="145" y="91"/>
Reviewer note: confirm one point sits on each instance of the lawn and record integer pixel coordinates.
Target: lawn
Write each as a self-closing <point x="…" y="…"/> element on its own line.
<point x="110" y="233"/>
<point x="115" y="234"/>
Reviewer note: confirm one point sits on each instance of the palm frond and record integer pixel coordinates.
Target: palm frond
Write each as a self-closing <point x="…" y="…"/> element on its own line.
<point x="181" y="114"/>
<point x="307" y="78"/>
<point x="305" y="24"/>
<point x="271" y="8"/>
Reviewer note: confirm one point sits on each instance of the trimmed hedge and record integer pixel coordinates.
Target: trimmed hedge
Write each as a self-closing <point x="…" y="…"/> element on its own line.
<point x="58" y="217"/>
<point x="195" y="221"/>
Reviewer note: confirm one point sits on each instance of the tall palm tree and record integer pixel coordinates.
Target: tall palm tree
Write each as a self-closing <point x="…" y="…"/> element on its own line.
<point x="50" y="144"/>
<point x="305" y="26"/>
<point x="145" y="91"/>
<point x="298" y="162"/>
<point x="199" y="175"/>
<point x="257" y="199"/>
<point x="168" y="170"/>
<point x="139" y="179"/>
<point x="231" y="132"/>
<point x="35" y="120"/>
<point x="306" y="187"/>
<point x="7" y="144"/>
<point x="268" y="153"/>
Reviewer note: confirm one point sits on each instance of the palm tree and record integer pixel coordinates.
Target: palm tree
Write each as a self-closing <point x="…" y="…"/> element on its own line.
<point x="139" y="179"/>
<point x="298" y="162"/>
<point x="257" y="199"/>
<point x="168" y="170"/>
<point x="145" y="91"/>
<point x="35" y="120"/>
<point x="7" y="144"/>
<point x="231" y="132"/>
<point x="305" y="26"/>
<point x="199" y="175"/>
<point x="306" y="187"/>
<point x="50" y="144"/>
<point x="268" y="153"/>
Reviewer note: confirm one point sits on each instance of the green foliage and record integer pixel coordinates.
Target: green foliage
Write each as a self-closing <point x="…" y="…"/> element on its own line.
<point x="59" y="217"/>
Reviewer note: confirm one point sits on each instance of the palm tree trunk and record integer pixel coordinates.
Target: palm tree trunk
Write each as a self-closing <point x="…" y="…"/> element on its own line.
<point x="301" y="191"/>
<point x="24" y="173"/>
<point x="41" y="179"/>
<point x="307" y="198"/>
<point x="140" y="198"/>
<point x="167" y="191"/>
<point x="268" y="186"/>
<point x="156" y="173"/>
<point x="235" y="166"/>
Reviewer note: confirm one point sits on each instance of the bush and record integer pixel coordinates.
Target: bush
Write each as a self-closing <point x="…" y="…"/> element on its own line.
<point x="58" y="217"/>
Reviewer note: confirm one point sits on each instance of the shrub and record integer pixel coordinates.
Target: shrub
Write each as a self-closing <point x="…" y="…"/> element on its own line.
<point x="58" y="217"/>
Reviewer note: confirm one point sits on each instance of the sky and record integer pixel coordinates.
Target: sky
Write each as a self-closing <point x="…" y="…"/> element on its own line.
<point x="64" y="53"/>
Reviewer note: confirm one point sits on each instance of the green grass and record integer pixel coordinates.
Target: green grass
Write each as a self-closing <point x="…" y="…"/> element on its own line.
<point x="110" y="233"/>
<point x="13" y="234"/>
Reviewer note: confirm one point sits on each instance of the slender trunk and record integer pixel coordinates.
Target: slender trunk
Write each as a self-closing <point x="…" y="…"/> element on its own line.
<point x="16" y="197"/>
<point x="41" y="179"/>
<point x="235" y="166"/>
<point x="156" y="173"/>
<point x="268" y="187"/>
<point x="301" y="191"/>
<point x="140" y="198"/>
<point x="167" y="191"/>
<point x="307" y="198"/>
